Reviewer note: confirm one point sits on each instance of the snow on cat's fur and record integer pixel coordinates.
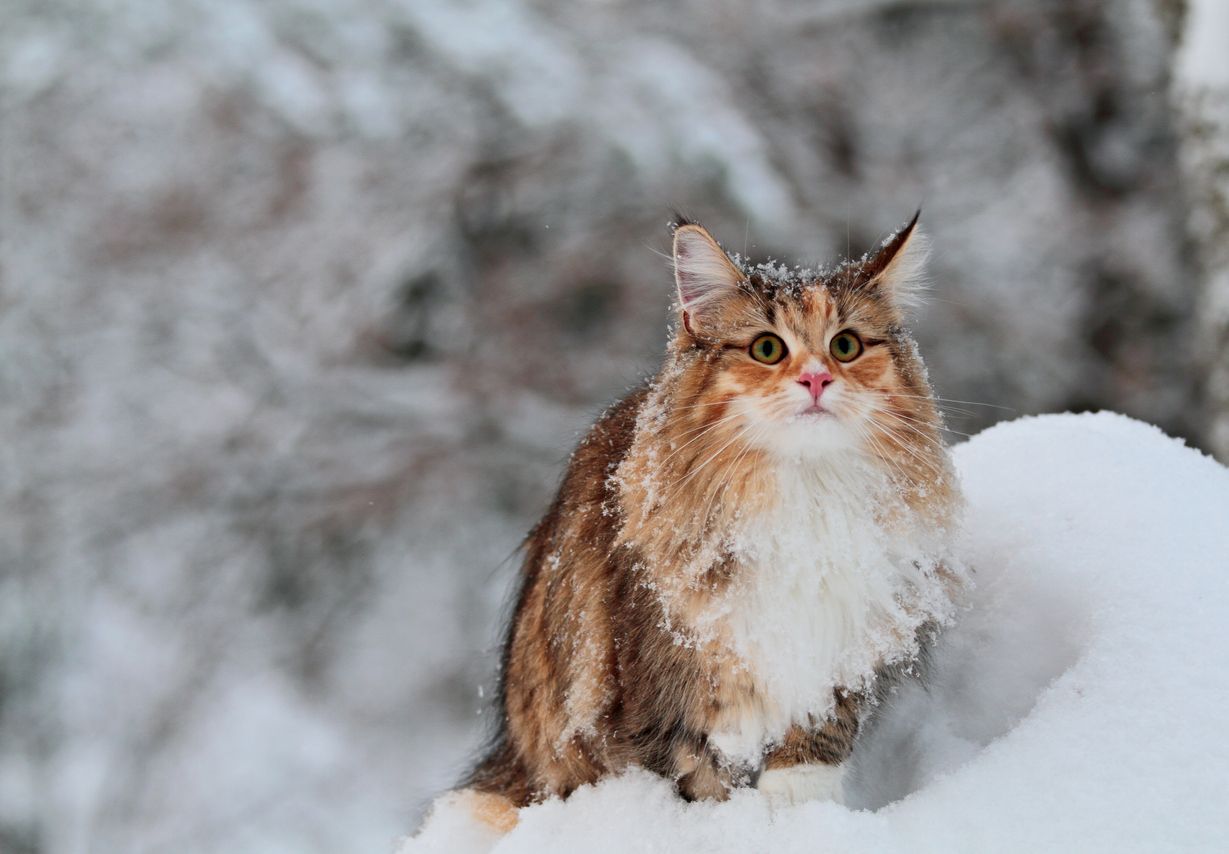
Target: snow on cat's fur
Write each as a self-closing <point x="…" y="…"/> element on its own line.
<point x="830" y="597"/>
<point x="738" y="547"/>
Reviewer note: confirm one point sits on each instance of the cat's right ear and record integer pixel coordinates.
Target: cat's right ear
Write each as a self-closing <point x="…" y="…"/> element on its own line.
<point x="704" y="274"/>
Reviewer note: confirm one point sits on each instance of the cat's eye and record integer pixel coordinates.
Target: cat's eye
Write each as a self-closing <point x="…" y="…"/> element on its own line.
<point x="845" y="346"/>
<point x="768" y="348"/>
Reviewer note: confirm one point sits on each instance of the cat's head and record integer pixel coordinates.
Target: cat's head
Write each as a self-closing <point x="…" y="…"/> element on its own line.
<point x="803" y="363"/>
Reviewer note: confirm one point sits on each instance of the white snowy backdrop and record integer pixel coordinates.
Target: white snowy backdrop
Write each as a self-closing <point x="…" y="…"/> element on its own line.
<point x="303" y="303"/>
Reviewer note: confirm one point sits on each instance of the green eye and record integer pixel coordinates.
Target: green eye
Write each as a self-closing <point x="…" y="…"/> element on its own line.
<point x="846" y="346"/>
<point x="768" y="348"/>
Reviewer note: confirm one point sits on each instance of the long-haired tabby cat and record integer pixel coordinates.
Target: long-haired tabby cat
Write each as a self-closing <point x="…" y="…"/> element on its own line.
<point x="737" y="547"/>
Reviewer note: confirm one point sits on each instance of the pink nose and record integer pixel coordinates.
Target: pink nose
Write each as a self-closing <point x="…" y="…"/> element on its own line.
<point x="816" y="382"/>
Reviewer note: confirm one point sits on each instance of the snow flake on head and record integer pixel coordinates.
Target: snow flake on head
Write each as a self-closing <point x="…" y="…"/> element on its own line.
<point x="780" y="278"/>
<point x="774" y="272"/>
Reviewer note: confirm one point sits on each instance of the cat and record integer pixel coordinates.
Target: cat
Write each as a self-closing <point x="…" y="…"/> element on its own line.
<point x="737" y="547"/>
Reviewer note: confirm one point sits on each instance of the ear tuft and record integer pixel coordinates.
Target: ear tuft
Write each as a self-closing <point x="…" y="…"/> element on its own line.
<point x="899" y="267"/>
<point x="703" y="272"/>
<point x="680" y="219"/>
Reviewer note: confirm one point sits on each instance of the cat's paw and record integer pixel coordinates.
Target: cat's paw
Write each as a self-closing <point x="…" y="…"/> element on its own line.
<point x="800" y="783"/>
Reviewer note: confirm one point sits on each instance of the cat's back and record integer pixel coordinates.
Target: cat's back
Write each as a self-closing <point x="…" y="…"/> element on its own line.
<point x="567" y="567"/>
<point x="557" y="675"/>
<point x="586" y="498"/>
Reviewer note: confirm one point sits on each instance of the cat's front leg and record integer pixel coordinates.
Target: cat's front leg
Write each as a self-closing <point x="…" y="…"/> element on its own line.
<point x="796" y="784"/>
<point x="809" y="764"/>
<point x="702" y="774"/>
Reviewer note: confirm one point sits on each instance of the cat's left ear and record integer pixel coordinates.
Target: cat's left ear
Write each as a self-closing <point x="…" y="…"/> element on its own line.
<point x="898" y="269"/>
<point x="704" y="274"/>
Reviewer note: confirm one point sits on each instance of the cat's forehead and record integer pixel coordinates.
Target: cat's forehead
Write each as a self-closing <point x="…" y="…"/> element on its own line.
<point x="776" y="279"/>
<point x="805" y="294"/>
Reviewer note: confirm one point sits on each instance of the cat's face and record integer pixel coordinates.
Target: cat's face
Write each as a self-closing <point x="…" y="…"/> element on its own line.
<point x="803" y="365"/>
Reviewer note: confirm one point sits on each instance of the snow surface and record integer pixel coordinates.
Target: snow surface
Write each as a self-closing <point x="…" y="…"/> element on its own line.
<point x="1078" y="705"/>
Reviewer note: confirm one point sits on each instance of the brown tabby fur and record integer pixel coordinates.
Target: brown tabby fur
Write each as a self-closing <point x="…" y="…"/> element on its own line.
<point x="593" y="680"/>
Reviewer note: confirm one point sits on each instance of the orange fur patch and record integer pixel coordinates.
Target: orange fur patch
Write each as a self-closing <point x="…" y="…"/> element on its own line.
<point x="495" y="811"/>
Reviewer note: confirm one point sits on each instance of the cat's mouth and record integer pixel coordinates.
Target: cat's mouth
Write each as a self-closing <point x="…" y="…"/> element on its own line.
<point x="815" y="410"/>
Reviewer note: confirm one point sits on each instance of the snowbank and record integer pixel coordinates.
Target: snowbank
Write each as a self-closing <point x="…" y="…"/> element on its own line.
<point x="1079" y="704"/>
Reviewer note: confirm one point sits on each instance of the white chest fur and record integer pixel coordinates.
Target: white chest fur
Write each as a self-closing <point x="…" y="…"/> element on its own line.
<point x="825" y="596"/>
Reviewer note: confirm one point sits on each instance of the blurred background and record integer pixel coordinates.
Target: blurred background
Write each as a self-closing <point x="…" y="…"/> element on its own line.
<point x="303" y="304"/>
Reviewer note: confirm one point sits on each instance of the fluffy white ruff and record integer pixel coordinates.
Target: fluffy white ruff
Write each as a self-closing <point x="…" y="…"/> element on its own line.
<point x="801" y="783"/>
<point x="827" y="595"/>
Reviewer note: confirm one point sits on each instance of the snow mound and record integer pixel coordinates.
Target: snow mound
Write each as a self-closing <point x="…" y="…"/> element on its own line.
<point x="1079" y="703"/>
